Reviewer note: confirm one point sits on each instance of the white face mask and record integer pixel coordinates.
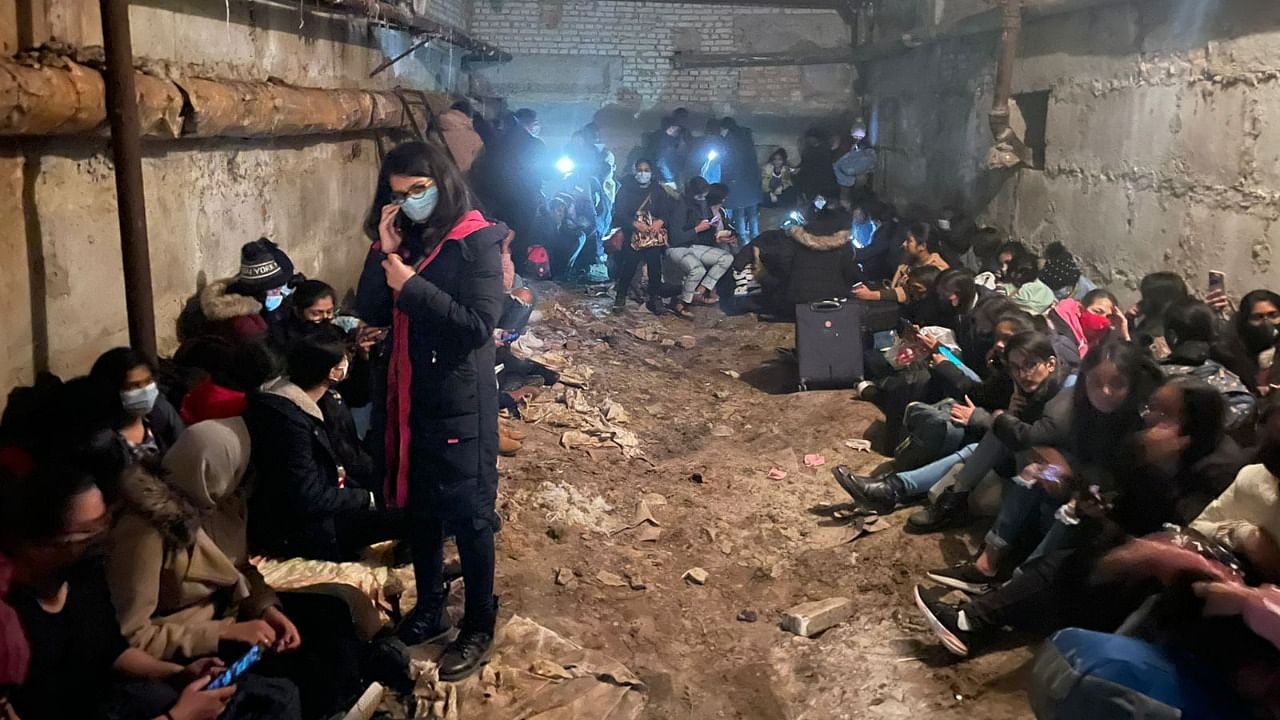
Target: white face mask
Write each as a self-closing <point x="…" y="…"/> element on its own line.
<point x="644" y="177"/>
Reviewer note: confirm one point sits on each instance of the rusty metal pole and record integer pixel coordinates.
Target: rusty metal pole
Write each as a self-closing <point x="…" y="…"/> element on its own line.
<point x="126" y="150"/>
<point x="1010" y="32"/>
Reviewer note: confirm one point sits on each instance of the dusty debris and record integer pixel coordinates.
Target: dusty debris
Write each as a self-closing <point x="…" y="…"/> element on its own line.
<point x="777" y="474"/>
<point x="687" y="341"/>
<point x="858" y="444"/>
<point x="696" y="576"/>
<point x="721" y="431"/>
<point x="610" y="579"/>
<point x="543" y="667"/>
<point x="564" y="576"/>
<point x="654" y="499"/>
<point x="648" y="333"/>
<point x="613" y="412"/>
<point x="809" y="619"/>
<point x="815" y="460"/>
<point x="697" y="479"/>
<point x="748" y="616"/>
<point x="648" y="533"/>
<point x="720" y="394"/>
<point x="732" y="373"/>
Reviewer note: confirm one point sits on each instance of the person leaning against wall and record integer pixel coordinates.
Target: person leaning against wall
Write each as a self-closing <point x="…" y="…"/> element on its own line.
<point x="434" y="274"/>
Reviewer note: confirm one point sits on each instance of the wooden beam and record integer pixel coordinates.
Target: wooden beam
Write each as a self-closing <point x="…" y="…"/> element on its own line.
<point x="829" y="56"/>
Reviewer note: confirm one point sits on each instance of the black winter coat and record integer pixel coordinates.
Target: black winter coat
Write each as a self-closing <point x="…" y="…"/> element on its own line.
<point x="822" y="267"/>
<point x="295" y="501"/>
<point x="452" y="306"/>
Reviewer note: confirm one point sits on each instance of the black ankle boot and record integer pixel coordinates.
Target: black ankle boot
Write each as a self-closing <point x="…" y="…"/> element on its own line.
<point x="950" y="510"/>
<point x="879" y="494"/>
<point x="465" y="655"/>
<point x="428" y="621"/>
<point x="655" y="305"/>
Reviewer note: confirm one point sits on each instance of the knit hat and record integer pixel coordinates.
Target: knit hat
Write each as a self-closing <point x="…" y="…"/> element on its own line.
<point x="263" y="266"/>
<point x="1060" y="269"/>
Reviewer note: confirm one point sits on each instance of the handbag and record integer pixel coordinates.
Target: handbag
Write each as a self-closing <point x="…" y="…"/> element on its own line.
<point x="648" y="238"/>
<point x="613" y="242"/>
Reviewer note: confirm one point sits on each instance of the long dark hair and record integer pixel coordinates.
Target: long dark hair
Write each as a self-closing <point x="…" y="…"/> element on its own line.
<point x="1246" y="307"/>
<point x="107" y="377"/>
<point x="1203" y="410"/>
<point x="1088" y="423"/>
<point x="417" y="159"/>
<point x="960" y="282"/>
<point x="1159" y="290"/>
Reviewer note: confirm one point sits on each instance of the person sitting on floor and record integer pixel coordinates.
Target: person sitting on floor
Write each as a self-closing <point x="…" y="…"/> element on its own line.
<point x="82" y="666"/>
<point x="918" y="245"/>
<point x="696" y="245"/>
<point x="140" y="422"/>
<point x="304" y="505"/>
<point x="1022" y="284"/>
<point x="1062" y="274"/>
<point x="245" y="306"/>
<point x="823" y="266"/>
<point x="1190" y="328"/>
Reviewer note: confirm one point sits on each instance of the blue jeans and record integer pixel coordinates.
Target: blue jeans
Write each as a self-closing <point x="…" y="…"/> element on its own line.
<point x="1022" y="510"/>
<point x="919" y="481"/>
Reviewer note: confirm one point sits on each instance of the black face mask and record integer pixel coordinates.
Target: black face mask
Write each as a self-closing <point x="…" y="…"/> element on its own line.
<point x="1258" y="337"/>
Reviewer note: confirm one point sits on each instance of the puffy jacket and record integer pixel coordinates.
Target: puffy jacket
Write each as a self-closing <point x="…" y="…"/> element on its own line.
<point x="298" y="493"/>
<point x="1192" y="358"/>
<point x="822" y="266"/>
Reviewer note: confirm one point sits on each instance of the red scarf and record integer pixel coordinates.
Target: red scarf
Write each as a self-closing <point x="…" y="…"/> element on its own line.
<point x="400" y="374"/>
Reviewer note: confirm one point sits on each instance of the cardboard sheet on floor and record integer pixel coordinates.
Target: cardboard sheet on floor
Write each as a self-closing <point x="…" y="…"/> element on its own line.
<point x="545" y="676"/>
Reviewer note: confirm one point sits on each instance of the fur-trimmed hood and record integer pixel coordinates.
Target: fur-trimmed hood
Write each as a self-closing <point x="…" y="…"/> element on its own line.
<point x="145" y="491"/>
<point x="296" y="395"/>
<point x="218" y="303"/>
<point x="819" y="242"/>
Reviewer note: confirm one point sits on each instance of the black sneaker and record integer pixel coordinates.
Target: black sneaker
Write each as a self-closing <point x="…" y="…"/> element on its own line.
<point x="427" y="622"/>
<point x="465" y="655"/>
<point x="945" y="621"/>
<point x="655" y="305"/>
<point x="951" y="510"/>
<point x="879" y="494"/>
<point x="965" y="576"/>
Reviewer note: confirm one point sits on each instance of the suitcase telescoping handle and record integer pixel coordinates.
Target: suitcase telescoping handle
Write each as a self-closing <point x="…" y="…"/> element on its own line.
<point x="825" y="306"/>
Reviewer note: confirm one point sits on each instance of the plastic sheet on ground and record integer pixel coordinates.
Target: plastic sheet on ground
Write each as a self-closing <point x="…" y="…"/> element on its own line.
<point x="369" y="576"/>
<point x="540" y="675"/>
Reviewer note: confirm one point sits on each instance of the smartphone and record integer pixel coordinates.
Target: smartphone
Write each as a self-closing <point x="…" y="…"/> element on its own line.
<point x="858" y="285"/>
<point x="1217" y="281"/>
<point x="237" y="669"/>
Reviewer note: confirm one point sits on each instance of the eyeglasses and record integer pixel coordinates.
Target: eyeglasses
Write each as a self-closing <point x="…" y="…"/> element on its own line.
<point x="1024" y="370"/>
<point x="415" y="193"/>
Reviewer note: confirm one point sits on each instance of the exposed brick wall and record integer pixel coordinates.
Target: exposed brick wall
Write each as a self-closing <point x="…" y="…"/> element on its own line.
<point x="451" y="12"/>
<point x="645" y="35"/>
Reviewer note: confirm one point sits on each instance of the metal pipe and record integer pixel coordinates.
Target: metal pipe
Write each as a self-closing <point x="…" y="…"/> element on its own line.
<point x="407" y="19"/>
<point x="1010" y="31"/>
<point x="833" y="56"/>
<point x="126" y="150"/>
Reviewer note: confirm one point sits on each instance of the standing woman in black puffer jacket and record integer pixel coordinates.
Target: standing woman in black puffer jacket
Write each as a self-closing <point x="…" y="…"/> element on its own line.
<point x="434" y="275"/>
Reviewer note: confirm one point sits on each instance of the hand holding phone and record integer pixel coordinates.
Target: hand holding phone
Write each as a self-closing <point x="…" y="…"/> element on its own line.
<point x="237" y="669"/>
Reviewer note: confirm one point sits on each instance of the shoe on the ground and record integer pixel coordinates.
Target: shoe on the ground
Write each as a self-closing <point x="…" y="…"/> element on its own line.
<point x="427" y="622"/>
<point x="965" y="576"/>
<point x="465" y="655"/>
<point x="681" y="310"/>
<point x="866" y="391"/>
<point x="507" y="445"/>
<point x="511" y="432"/>
<point x="386" y="661"/>
<point x="655" y="306"/>
<point x="879" y="494"/>
<point x="945" y="621"/>
<point x="950" y="510"/>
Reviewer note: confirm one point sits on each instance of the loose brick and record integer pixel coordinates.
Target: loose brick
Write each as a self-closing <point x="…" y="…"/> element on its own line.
<point x="811" y="618"/>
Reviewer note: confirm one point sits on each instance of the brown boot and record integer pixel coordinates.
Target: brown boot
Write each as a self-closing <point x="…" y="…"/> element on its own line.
<point x="507" y="445"/>
<point x="511" y="432"/>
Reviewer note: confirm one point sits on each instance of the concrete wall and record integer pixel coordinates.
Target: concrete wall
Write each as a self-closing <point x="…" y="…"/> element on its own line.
<point x="1162" y="127"/>
<point x="575" y="57"/>
<point x="60" y="278"/>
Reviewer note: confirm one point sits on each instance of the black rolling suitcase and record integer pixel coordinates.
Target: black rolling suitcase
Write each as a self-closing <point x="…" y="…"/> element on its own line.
<point x="829" y="344"/>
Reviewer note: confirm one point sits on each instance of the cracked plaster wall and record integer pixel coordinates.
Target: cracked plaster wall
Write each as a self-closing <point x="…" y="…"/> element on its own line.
<point x="1162" y="138"/>
<point x="61" y="288"/>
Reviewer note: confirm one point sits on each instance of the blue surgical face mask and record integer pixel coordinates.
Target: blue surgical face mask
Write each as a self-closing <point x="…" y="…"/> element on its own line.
<point x="819" y="202"/>
<point x="419" y="208"/>
<point x="273" y="300"/>
<point x="644" y="177"/>
<point x="139" y="403"/>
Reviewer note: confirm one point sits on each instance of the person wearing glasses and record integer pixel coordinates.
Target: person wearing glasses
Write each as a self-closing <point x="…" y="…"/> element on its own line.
<point x="434" y="275"/>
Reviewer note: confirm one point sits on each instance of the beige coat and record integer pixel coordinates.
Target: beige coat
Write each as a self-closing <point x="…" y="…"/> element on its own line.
<point x="460" y="135"/>
<point x="1251" y="504"/>
<point x="178" y="566"/>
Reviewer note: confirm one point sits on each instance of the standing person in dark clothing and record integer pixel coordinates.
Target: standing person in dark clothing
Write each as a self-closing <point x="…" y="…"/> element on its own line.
<point x="434" y="275"/>
<point x="707" y="155"/>
<point x="742" y="175"/>
<point x="816" y="176"/>
<point x="664" y="147"/>
<point x="640" y="194"/>
<point x="509" y="175"/>
<point x="50" y="520"/>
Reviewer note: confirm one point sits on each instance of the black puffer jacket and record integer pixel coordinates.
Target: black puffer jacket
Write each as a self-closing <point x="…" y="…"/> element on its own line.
<point x="452" y="307"/>
<point x="822" y="266"/>
<point x="297" y="497"/>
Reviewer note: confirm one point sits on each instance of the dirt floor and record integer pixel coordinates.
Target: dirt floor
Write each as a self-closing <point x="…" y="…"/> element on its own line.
<point x="712" y="421"/>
